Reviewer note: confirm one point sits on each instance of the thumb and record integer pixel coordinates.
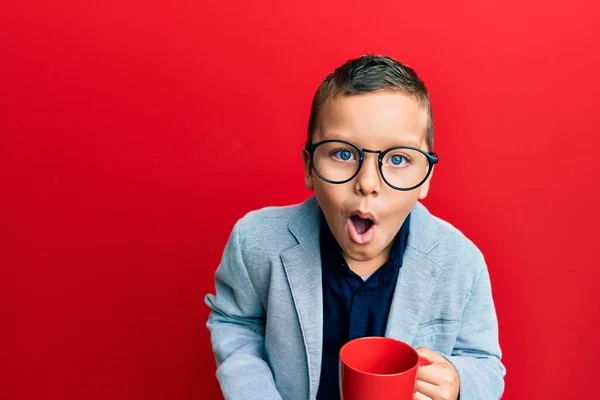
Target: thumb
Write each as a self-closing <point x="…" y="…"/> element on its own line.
<point x="430" y="355"/>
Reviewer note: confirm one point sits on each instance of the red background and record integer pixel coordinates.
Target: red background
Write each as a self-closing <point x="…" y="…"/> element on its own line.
<point x="133" y="135"/>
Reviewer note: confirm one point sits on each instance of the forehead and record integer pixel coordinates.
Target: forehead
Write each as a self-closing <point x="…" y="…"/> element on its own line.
<point x="373" y="120"/>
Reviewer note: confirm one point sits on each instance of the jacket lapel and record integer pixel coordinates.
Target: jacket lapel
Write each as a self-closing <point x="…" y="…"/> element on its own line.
<point x="416" y="283"/>
<point x="302" y="265"/>
<point x="417" y="278"/>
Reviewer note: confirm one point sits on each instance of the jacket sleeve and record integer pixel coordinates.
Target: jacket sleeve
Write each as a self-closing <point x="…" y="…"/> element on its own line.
<point x="477" y="355"/>
<point x="237" y="324"/>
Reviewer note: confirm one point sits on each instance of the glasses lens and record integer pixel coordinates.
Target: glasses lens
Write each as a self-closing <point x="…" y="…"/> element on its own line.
<point x="404" y="168"/>
<point x="336" y="161"/>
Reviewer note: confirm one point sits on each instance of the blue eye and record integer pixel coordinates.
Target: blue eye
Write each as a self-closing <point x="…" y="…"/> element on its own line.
<point x="397" y="159"/>
<point x="343" y="155"/>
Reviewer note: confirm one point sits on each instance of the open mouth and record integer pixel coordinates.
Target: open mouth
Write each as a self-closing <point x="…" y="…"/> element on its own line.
<point x="361" y="224"/>
<point x="361" y="227"/>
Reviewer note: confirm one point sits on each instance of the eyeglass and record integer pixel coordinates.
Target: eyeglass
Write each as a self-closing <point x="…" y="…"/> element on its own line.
<point x="401" y="167"/>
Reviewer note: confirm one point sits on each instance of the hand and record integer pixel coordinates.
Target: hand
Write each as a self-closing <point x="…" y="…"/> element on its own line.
<point x="438" y="381"/>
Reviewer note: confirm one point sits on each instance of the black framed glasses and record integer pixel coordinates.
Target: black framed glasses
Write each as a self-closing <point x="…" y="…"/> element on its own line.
<point x="401" y="167"/>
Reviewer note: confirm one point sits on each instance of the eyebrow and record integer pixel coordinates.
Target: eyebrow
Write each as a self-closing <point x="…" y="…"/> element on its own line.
<point x="408" y="143"/>
<point x="404" y="142"/>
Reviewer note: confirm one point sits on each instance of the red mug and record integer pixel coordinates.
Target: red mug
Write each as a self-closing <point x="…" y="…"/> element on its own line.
<point x="379" y="368"/>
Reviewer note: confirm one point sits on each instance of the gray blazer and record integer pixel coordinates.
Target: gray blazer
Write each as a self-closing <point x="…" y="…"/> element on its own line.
<point x="266" y="318"/>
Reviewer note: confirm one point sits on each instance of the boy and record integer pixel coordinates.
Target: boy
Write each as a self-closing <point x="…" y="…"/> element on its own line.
<point x="362" y="257"/>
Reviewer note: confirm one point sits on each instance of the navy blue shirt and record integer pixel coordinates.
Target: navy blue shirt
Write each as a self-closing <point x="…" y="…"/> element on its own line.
<point x="352" y="307"/>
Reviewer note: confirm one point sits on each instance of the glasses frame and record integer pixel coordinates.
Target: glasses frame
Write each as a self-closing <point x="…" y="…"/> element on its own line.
<point x="432" y="158"/>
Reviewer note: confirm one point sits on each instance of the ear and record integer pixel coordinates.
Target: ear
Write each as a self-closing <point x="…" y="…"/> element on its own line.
<point x="308" y="172"/>
<point x="424" y="188"/>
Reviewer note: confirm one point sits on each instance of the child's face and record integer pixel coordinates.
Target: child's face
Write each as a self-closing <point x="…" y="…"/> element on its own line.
<point x="375" y="121"/>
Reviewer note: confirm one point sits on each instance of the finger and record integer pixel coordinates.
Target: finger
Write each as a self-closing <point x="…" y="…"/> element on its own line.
<point x="431" y="355"/>
<point x="433" y="374"/>
<point x="428" y="389"/>
<point x="421" y="396"/>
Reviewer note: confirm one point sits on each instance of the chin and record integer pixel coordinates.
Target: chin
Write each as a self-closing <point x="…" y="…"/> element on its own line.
<point x="359" y="252"/>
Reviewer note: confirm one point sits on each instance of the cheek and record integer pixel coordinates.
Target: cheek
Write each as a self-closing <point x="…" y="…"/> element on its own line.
<point x="328" y="194"/>
<point x="400" y="204"/>
<point x="332" y="199"/>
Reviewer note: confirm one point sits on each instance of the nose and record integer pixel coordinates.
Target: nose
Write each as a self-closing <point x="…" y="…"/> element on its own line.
<point x="368" y="181"/>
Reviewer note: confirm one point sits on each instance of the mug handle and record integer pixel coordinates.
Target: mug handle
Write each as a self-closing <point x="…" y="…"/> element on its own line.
<point x="423" y="362"/>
